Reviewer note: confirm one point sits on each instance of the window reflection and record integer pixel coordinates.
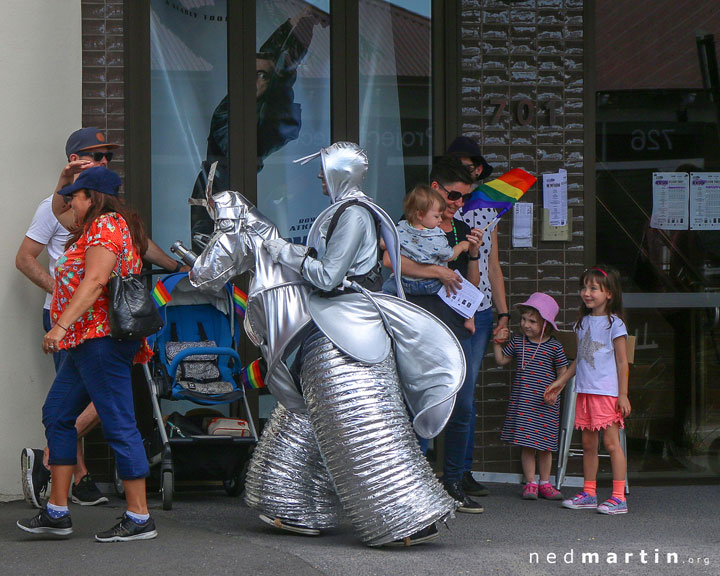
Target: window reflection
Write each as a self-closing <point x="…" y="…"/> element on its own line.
<point x="395" y="97"/>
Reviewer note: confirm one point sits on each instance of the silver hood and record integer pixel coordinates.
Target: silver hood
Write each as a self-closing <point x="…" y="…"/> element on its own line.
<point x="344" y="165"/>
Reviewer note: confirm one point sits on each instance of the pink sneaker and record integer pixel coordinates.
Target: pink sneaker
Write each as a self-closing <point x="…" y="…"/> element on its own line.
<point x="548" y="492"/>
<point x="530" y="492"/>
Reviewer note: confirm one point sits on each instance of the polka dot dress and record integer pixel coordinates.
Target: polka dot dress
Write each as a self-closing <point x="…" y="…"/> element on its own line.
<point x="529" y="421"/>
<point x="479" y="219"/>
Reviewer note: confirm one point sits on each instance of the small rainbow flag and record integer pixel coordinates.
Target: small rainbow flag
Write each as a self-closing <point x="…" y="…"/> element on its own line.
<point x="252" y="375"/>
<point x="502" y="192"/>
<point x="240" y="301"/>
<point x="160" y="294"/>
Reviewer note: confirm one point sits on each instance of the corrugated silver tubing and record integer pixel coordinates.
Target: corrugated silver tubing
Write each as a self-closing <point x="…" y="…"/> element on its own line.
<point x="287" y="478"/>
<point x="384" y="482"/>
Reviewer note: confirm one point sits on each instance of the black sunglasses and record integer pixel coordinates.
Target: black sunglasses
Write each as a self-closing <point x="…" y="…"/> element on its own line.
<point x="97" y="156"/>
<point x="454" y="195"/>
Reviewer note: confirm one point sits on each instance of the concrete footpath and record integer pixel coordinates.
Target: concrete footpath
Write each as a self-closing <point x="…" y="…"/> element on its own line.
<point x="669" y="531"/>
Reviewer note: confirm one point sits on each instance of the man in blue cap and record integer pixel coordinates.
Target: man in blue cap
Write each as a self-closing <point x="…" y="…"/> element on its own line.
<point x="84" y="149"/>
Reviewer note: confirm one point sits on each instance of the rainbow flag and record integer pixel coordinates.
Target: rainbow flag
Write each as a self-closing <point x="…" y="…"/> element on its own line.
<point x="240" y="301"/>
<point x="160" y="294"/>
<point x="502" y="192"/>
<point x="252" y="375"/>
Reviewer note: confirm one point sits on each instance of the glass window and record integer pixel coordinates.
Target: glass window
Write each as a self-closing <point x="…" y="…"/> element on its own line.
<point x="657" y="111"/>
<point x="395" y="97"/>
<point x="293" y="110"/>
<point x="188" y="67"/>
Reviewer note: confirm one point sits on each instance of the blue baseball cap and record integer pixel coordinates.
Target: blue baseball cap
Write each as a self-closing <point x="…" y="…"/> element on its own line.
<point x="96" y="178"/>
<point x="86" y="139"/>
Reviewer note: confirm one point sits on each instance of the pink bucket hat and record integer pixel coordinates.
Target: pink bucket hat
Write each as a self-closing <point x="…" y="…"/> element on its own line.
<point x="545" y="305"/>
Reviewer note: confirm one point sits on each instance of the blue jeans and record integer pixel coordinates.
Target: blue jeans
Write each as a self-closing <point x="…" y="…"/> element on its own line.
<point x="58" y="356"/>
<point x="413" y="286"/>
<point x="460" y="429"/>
<point x="98" y="371"/>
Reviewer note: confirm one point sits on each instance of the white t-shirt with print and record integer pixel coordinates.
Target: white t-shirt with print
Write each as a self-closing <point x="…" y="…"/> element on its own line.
<point x="45" y="229"/>
<point x="479" y="219"/>
<point x="596" y="368"/>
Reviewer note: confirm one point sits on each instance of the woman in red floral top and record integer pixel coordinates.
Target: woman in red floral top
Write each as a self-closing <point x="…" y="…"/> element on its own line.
<point x="109" y="238"/>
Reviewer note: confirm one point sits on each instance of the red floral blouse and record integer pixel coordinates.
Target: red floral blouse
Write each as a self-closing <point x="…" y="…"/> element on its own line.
<point x="112" y="233"/>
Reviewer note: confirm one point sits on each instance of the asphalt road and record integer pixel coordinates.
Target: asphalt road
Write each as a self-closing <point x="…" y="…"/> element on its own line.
<point x="668" y="531"/>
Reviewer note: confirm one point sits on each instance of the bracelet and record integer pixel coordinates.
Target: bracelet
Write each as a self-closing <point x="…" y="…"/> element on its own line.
<point x="504" y="315"/>
<point x="473" y="257"/>
<point x="61" y="326"/>
<point x="178" y="265"/>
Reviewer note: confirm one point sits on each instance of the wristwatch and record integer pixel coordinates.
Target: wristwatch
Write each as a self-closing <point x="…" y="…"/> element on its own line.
<point x="504" y="315"/>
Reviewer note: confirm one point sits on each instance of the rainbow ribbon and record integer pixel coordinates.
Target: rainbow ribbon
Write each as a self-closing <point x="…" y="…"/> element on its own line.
<point x="252" y="376"/>
<point x="240" y="301"/>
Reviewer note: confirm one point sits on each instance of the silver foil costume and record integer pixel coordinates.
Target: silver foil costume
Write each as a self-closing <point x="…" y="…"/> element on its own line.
<point x="370" y="353"/>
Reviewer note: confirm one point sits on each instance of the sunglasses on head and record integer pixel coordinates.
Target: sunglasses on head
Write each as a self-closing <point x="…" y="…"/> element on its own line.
<point x="454" y="195"/>
<point x="98" y="156"/>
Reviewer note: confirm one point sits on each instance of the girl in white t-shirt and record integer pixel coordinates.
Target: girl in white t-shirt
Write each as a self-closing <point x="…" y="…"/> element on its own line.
<point x="601" y="371"/>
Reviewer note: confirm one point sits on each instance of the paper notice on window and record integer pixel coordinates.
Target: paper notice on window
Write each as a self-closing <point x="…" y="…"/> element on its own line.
<point x="522" y="225"/>
<point x="671" y="197"/>
<point x="705" y="200"/>
<point x="555" y="197"/>
<point x="466" y="300"/>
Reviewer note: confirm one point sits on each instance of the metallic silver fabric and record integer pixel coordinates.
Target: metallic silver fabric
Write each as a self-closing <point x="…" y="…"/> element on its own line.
<point x="277" y="296"/>
<point x="287" y="478"/>
<point x="384" y="482"/>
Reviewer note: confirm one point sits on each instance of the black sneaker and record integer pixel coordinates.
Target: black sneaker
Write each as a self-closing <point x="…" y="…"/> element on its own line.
<point x="425" y="535"/>
<point x="35" y="476"/>
<point x="288" y="526"/>
<point x="472" y="487"/>
<point x="43" y="523"/>
<point x="467" y="505"/>
<point x="86" y="492"/>
<point x="127" y="529"/>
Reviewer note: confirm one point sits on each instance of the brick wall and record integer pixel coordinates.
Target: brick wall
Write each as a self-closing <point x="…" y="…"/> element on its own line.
<point x="528" y="53"/>
<point x="103" y="107"/>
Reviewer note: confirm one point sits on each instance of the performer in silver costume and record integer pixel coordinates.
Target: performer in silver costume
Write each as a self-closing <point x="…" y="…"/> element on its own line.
<point x="364" y="356"/>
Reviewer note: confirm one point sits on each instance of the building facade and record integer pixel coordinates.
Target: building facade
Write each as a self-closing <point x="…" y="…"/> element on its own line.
<point x="611" y="92"/>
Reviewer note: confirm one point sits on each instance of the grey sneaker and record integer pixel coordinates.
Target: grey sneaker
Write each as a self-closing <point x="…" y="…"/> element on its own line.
<point x="35" y="477"/>
<point x="43" y="523"/>
<point x="86" y="492"/>
<point x="127" y="529"/>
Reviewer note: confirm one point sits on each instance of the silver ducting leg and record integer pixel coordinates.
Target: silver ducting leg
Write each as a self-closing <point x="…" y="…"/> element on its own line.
<point x="384" y="482"/>
<point x="287" y="478"/>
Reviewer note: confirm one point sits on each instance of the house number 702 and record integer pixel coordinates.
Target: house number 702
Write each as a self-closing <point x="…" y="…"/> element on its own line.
<point x="525" y="110"/>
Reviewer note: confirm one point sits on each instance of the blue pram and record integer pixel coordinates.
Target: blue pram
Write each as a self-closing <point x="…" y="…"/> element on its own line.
<point x="196" y="359"/>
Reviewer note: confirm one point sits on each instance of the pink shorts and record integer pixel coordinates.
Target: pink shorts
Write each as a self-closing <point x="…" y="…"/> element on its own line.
<point x="597" y="412"/>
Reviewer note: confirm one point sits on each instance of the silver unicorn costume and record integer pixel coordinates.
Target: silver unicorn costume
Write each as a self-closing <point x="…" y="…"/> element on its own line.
<point x="364" y="358"/>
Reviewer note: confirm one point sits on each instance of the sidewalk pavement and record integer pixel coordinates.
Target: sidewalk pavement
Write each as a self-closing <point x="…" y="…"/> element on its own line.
<point x="668" y="531"/>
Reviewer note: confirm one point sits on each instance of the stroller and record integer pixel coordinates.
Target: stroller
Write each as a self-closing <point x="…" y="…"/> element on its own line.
<point x="195" y="359"/>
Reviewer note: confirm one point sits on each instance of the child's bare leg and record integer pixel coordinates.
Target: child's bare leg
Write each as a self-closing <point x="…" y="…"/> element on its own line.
<point x="590" y="454"/>
<point x="469" y="325"/>
<point x="527" y="458"/>
<point x="544" y="464"/>
<point x="611" y="441"/>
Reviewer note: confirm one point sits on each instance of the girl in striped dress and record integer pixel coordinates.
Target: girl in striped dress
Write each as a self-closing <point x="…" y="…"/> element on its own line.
<point x="529" y="422"/>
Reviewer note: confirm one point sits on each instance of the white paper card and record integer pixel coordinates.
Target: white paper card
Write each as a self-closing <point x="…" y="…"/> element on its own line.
<point x="522" y="225"/>
<point x="466" y="300"/>
<point x="555" y="197"/>
<point x="705" y="200"/>
<point x="671" y="196"/>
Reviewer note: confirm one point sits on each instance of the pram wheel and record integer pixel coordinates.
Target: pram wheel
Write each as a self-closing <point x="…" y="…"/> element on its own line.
<point x="235" y="485"/>
<point x="167" y="489"/>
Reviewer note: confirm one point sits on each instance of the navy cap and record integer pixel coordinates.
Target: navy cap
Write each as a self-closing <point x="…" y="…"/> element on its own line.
<point x="96" y="178"/>
<point x="466" y="146"/>
<point x="86" y="139"/>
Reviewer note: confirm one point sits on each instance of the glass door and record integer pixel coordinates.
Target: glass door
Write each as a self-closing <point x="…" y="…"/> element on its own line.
<point x="657" y="112"/>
